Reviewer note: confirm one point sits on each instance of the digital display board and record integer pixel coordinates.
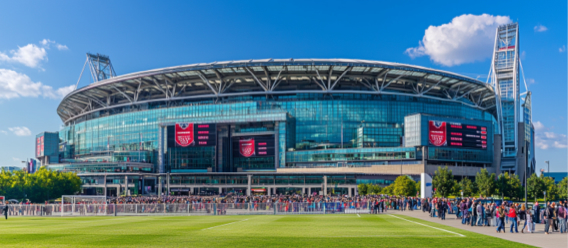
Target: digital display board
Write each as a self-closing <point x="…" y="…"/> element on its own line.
<point x="253" y="146"/>
<point x="192" y="134"/>
<point x="454" y="134"/>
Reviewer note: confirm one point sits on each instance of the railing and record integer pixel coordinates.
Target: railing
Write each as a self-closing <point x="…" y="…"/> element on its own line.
<point x="251" y="208"/>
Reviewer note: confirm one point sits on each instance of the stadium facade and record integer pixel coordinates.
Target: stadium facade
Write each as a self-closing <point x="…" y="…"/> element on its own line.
<point x="277" y="126"/>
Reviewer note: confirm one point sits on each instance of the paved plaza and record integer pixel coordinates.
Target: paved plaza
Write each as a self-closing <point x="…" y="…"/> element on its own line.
<point x="539" y="239"/>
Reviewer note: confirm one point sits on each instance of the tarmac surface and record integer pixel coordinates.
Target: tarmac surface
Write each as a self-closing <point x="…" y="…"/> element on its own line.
<point x="538" y="238"/>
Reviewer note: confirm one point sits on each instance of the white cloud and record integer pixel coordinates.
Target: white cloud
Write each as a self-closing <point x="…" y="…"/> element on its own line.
<point x="16" y="159"/>
<point x="29" y="55"/>
<point x="14" y="85"/>
<point x="562" y="49"/>
<point x="62" y="47"/>
<point x="540" y="28"/>
<point x="545" y="138"/>
<point x="3" y="132"/>
<point x="538" y="126"/>
<point x="467" y="38"/>
<point x="20" y="131"/>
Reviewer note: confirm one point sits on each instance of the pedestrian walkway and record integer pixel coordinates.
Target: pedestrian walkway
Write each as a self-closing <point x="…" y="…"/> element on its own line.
<point x="538" y="239"/>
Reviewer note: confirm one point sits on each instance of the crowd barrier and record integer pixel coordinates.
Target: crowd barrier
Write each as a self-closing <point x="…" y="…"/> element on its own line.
<point x="251" y="208"/>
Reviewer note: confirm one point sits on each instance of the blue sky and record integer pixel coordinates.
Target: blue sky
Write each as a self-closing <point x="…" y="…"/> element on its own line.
<point x="146" y="35"/>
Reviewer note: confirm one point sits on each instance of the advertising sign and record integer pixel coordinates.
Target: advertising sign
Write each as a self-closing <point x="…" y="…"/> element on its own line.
<point x="192" y="134"/>
<point x="184" y="134"/>
<point x="246" y="147"/>
<point x="254" y="146"/>
<point x="437" y="133"/>
<point x="454" y="134"/>
<point x="41" y="145"/>
<point x="37" y="147"/>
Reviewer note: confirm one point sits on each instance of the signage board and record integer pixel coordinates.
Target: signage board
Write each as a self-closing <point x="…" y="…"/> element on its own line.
<point x="454" y="134"/>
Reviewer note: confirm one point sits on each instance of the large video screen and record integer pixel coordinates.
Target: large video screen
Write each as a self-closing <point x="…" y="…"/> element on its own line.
<point x="454" y="134"/>
<point x="193" y="134"/>
<point x="253" y="146"/>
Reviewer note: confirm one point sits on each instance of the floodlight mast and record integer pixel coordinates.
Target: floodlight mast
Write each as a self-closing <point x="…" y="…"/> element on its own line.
<point x="100" y="66"/>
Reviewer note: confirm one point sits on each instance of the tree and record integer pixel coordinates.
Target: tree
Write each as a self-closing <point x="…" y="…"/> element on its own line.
<point x="485" y="182"/>
<point x="40" y="186"/>
<point x="443" y="181"/>
<point x="373" y="189"/>
<point x="515" y="187"/>
<point x="388" y="190"/>
<point x="535" y="187"/>
<point x="509" y="185"/>
<point x="362" y="189"/>
<point x="405" y="186"/>
<point x="418" y="187"/>
<point x="551" y="188"/>
<point x="563" y="188"/>
<point x="468" y="187"/>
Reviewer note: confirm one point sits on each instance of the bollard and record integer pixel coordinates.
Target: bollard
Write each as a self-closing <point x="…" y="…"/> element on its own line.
<point x="114" y="207"/>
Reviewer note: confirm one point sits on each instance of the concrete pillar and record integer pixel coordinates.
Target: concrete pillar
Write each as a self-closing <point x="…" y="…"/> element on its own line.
<point x="168" y="183"/>
<point x="249" y="181"/>
<point x="324" y="185"/>
<point x="118" y="190"/>
<point x="105" y="178"/>
<point x="143" y="187"/>
<point x="303" y="190"/>
<point x="126" y="185"/>
<point x="349" y="189"/>
<point x="268" y="191"/>
<point x="159" y="186"/>
<point x="309" y="191"/>
<point x="220" y="190"/>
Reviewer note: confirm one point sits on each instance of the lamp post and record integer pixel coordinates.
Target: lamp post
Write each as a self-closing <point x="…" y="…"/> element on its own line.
<point x="548" y="163"/>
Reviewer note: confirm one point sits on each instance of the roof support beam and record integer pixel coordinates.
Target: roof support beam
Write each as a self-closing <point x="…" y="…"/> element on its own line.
<point x="278" y="79"/>
<point x="124" y="94"/>
<point x="339" y="78"/>
<point x="316" y="81"/>
<point x="268" y="81"/>
<point x="390" y="81"/>
<point x="431" y="87"/>
<point x="206" y="81"/>
<point x="256" y="79"/>
<point x="160" y="88"/>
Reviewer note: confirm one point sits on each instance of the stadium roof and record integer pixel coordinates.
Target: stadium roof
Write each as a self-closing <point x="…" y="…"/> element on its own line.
<point x="273" y="77"/>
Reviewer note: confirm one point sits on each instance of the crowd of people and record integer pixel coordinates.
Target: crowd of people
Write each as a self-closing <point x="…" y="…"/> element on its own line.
<point x="482" y="212"/>
<point x="471" y="211"/>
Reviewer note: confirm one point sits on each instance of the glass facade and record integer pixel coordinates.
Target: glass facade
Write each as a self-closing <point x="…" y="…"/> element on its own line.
<point x="307" y="128"/>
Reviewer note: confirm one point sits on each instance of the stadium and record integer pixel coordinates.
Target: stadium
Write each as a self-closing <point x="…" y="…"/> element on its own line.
<point x="280" y="126"/>
<point x="274" y="126"/>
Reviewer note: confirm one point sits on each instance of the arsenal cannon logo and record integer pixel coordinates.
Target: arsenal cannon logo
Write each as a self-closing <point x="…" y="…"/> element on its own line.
<point x="437" y="133"/>
<point x="184" y="134"/>
<point x="246" y="147"/>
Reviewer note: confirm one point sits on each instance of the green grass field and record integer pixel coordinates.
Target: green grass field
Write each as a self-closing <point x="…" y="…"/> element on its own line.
<point x="239" y="231"/>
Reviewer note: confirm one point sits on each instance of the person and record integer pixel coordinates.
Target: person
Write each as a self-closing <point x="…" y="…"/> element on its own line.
<point x="523" y="216"/>
<point x="548" y="215"/>
<point x="479" y="211"/>
<point x="473" y="211"/>
<point x="536" y="212"/>
<point x="530" y="219"/>
<point x="562" y="217"/>
<point x="6" y="211"/>
<point x="513" y="218"/>
<point x="501" y="213"/>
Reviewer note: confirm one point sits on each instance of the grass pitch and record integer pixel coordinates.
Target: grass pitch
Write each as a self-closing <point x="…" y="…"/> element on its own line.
<point x="239" y="231"/>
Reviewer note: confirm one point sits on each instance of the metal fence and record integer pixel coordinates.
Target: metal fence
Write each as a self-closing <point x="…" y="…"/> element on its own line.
<point x="190" y="209"/>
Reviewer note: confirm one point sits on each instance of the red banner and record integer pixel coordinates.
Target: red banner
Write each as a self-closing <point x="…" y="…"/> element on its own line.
<point x="184" y="134"/>
<point x="246" y="147"/>
<point x="437" y="133"/>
